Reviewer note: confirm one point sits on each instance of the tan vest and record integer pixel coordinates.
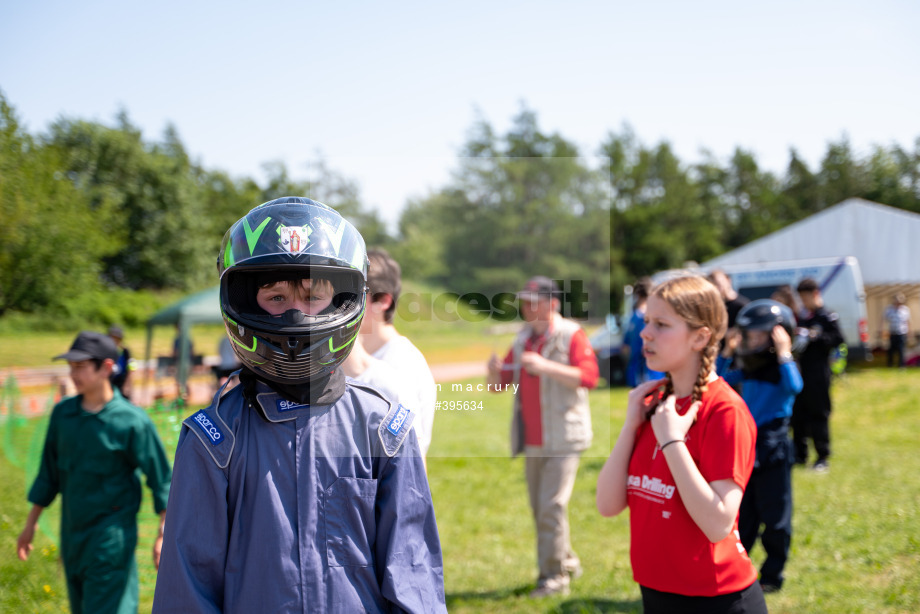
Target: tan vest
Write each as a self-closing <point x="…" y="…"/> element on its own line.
<point x="564" y="411"/>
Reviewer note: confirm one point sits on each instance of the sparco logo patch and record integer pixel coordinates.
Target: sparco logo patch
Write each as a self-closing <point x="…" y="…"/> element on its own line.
<point x="398" y="420"/>
<point x="208" y="428"/>
<point x="285" y="405"/>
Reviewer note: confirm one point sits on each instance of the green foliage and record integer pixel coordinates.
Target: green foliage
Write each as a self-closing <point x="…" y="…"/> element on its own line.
<point x="330" y="188"/>
<point x="116" y="306"/>
<point x="421" y="251"/>
<point x="666" y="212"/>
<point x="893" y="176"/>
<point x="524" y="203"/>
<point x="660" y="217"/>
<point x="224" y="201"/>
<point x="87" y="206"/>
<point x="52" y="237"/>
<point x="96" y="309"/>
<point x="167" y="239"/>
<point x="520" y="204"/>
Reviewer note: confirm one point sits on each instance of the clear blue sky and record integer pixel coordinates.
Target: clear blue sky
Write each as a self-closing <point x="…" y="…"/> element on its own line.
<point x="386" y="92"/>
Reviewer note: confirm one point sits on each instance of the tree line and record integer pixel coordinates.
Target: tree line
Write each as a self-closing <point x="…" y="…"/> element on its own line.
<point x="89" y="208"/>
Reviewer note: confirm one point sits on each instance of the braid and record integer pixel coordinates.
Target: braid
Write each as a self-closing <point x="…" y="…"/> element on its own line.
<point x="668" y="388"/>
<point x="707" y="357"/>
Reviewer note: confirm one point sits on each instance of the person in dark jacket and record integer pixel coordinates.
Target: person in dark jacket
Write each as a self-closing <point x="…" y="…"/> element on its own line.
<point x="812" y="410"/>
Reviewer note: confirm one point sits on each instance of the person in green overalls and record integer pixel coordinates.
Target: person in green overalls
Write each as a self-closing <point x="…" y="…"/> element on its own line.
<point x="96" y="446"/>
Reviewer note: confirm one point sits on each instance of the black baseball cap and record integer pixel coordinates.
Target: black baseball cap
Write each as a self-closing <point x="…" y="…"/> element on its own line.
<point x="89" y="345"/>
<point x="539" y="286"/>
<point x="116" y="331"/>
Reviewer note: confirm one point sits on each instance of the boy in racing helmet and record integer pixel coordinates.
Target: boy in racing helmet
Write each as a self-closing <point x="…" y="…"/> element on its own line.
<point x="298" y="490"/>
<point x="769" y="382"/>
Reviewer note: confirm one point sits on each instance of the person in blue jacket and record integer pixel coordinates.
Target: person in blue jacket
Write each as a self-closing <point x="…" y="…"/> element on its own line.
<point x="637" y="371"/>
<point x="770" y="382"/>
<point x="298" y="490"/>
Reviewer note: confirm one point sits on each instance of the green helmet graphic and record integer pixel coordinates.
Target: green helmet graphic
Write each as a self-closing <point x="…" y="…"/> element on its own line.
<point x="289" y="239"/>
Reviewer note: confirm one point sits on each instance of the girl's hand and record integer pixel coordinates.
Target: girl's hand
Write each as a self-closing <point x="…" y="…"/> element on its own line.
<point x="668" y="425"/>
<point x="781" y="340"/>
<point x="637" y="406"/>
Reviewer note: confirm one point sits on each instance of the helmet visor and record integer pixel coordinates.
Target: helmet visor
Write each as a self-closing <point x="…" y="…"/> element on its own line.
<point x="296" y="299"/>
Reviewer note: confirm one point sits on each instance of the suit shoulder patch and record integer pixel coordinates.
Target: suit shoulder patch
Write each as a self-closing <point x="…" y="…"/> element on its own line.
<point x="216" y="436"/>
<point x="394" y="428"/>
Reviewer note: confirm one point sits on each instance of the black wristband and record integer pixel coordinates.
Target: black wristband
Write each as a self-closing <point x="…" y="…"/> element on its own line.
<point x="670" y="442"/>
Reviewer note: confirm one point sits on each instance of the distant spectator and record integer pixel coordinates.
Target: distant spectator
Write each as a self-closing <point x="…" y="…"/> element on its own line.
<point x="897" y="316"/>
<point x="552" y="362"/>
<point x="177" y="346"/>
<point x="229" y="362"/>
<point x="812" y="410"/>
<point x="383" y="341"/>
<point x="377" y="374"/>
<point x="637" y="370"/>
<point x="121" y="372"/>
<point x="786" y="295"/>
<point x="733" y="301"/>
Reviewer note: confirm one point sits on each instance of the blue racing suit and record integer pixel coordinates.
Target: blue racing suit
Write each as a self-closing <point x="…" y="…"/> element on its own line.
<point x="299" y="508"/>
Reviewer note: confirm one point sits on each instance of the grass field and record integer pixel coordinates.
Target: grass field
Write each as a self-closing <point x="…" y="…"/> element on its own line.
<point x="856" y="544"/>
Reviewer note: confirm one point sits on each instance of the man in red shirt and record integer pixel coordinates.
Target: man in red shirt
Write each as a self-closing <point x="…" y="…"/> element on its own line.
<point x="553" y="366"/>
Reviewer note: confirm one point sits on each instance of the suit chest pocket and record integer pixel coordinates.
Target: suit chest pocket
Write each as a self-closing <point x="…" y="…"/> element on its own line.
<point x="350" y="522"/>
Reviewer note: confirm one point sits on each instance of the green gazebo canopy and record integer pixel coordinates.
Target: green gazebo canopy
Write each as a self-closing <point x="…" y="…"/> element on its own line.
<point x="199" y="308"/>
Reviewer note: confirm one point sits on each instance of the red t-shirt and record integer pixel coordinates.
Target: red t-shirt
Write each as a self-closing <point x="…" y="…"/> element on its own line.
<point x="668" y="550"/>
<point x="580" y="355"/>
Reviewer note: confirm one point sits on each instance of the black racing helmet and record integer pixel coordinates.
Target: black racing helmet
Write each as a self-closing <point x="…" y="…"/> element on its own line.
<point x="289" y="239"/>
<point x="763" y="315"/>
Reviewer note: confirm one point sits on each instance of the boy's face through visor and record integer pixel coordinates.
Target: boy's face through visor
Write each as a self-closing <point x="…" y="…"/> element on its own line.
<point x="756" y="340"/>
<point x="270" y="300"/>
<point x="309" y="296"/>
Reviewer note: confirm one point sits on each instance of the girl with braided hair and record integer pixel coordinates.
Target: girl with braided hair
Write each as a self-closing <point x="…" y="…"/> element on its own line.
<point x="682" y="461"/>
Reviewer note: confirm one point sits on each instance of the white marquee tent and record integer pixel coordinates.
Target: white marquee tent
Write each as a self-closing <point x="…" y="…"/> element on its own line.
<point x="885" y="241"/>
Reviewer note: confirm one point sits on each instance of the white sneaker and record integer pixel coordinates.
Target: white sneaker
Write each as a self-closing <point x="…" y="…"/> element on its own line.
<point x="550" y="587"/>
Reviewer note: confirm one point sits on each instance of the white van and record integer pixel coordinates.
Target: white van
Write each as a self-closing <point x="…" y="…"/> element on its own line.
<point x="839" y="279"/>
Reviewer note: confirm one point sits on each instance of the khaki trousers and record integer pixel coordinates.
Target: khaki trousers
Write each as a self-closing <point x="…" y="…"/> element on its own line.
<point x="550" y="480"/>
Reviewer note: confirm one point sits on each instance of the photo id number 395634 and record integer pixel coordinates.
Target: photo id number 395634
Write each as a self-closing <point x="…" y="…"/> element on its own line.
<point x="458" y="405"/>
